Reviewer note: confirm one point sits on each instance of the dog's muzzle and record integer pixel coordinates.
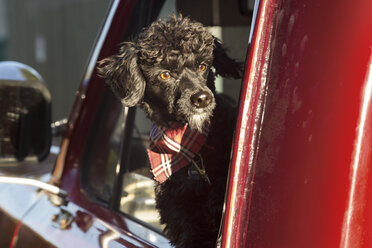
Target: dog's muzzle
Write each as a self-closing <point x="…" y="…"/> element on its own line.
<point x="201" y="99"/>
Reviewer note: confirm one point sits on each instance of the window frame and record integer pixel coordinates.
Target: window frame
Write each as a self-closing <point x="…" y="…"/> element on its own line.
<point x="143" y="15"/>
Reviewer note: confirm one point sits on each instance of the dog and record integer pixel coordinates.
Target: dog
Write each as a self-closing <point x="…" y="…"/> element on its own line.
<point x="168" y="70"/>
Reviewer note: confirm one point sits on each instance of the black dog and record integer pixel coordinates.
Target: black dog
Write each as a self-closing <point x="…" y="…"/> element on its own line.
<point x="167" y="71"/>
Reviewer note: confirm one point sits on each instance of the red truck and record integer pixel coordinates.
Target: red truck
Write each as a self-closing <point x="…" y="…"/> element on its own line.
<point x="301" y="162"/>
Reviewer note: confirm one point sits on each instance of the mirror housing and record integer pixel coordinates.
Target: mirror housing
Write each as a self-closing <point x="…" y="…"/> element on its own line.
<point x="25" y="114"/>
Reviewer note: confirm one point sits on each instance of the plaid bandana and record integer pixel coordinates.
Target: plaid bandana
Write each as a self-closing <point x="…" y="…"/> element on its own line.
<point x="173" y="149"/>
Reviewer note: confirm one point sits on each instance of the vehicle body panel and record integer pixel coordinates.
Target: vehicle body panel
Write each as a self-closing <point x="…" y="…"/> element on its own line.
<point x="301" y="165"/>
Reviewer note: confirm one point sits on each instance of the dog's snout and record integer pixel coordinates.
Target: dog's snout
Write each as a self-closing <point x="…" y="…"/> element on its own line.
<point x="201" y="99"/>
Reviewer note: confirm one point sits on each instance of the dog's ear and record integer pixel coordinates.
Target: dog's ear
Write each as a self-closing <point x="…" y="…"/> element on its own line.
<point x="123" y="74"/>
<point x="224" y="65"/>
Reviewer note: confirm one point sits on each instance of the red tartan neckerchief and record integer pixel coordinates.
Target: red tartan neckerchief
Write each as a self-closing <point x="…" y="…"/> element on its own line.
<point x="173" y="149"/>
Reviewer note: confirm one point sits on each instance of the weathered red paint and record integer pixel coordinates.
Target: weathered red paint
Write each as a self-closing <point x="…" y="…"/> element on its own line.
<point x="297" y="184"/>
<point x="15" y="235"/>
<point x="358" y="219"/>
<point x="247" y="133"/>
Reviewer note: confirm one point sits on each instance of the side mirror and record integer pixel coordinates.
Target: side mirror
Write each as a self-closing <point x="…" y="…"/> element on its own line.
<point x="25" y="114"/>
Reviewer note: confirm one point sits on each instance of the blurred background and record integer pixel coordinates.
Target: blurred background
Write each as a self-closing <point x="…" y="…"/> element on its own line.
<point x="54" y="37"/>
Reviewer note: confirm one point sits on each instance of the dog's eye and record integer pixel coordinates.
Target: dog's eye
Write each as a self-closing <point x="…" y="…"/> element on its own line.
<point x="165" y="75"/>
<point x="202" y="67"/>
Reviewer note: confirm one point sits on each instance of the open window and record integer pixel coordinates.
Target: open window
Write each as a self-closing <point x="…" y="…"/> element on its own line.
<point x="116" y="171"/>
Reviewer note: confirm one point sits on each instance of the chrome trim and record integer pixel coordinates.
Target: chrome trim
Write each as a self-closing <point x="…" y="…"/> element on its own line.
<point x="254" y="17"/>
<point x="109" y="235"/>
<point x="33" y="182"/>
<point x="59" y="127"/>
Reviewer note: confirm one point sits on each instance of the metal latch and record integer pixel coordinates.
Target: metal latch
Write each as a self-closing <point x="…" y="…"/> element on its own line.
<point x="62" y="220"/>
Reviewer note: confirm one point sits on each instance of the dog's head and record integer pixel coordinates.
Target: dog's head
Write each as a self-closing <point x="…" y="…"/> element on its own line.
<point x="167" y="71"/>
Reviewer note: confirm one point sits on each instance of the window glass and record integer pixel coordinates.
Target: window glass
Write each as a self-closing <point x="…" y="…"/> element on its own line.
<point x="116" y="167"/>
<point x="137" y="198"/>
<point x="102" y="153"/>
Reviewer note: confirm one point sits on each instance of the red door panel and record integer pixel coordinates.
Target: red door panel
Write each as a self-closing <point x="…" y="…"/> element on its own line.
<point x="299" y="177"/>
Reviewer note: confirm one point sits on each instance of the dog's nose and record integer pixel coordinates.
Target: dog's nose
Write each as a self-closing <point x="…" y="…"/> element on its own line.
<point x="201" y="99"/>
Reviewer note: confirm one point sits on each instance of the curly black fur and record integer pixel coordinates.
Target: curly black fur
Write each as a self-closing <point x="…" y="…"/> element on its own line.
<point x="161" y="71"/>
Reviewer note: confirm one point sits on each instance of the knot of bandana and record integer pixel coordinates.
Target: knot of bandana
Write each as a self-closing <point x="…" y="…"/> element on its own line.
<point x="173" y="148"/>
